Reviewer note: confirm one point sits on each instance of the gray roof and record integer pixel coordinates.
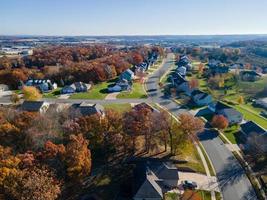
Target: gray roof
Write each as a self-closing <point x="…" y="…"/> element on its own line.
<point x="251" y="127"/>
<point x="201" y="95"/>
<point x="155" y="182"/>
<point x="32" y="106"/>
<point x="230" y="112"/>
<point x="90" y="109"/>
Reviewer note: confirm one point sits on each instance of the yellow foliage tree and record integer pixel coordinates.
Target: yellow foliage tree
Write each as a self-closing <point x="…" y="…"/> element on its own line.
<point x="31" y="93"/>
<point x="240" y="100"/>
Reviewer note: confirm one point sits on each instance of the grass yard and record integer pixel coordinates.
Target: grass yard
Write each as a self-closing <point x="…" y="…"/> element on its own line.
<point x="205" y="195"/>
<point x="124" y="107"/>
<point x="190" y="154"/>
<point x="137" y="92"/>
<point x="232" y="134"/>
<point x="53" y="94"/>
<point x="98" y="91"/>
<point x="251" y="115"/>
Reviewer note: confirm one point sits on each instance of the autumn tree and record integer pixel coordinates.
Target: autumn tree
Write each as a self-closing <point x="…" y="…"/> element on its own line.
<point x="240" y="100"/>
<point x="190" y="125"/>
<point x="14" y="98"/>
<point x="190" y="195"/>
<point x="200" y="68"/>
<point x="193" y="83"/>
<point x="137" y="58"/>
<point x="219" y="121"/>
<point x="31" y="93"/>
<point x="33" y="184"/>
<point x="13" y="78"/>
<point x="78" y="157"/>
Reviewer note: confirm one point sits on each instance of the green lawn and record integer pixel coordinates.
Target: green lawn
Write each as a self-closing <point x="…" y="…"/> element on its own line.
<point x="53" y="94"/>
<point x="190" y="154"/>
<point x="205" y="195"/>
<point x="124" y="107"/>
<point x="98" y="91"/>
<point x="137" y="92"/>
<point x="232" y="134"/>
<point x="251" y="115"/>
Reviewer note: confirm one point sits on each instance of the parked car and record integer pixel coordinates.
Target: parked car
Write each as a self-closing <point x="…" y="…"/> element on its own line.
<point x="189" y="185"/>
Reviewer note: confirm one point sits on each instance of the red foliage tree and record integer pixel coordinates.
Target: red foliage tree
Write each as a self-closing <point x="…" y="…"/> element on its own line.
<point x="219" y="121"/>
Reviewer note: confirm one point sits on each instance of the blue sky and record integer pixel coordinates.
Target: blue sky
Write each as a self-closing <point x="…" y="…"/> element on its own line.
<point x="133" y="17"/>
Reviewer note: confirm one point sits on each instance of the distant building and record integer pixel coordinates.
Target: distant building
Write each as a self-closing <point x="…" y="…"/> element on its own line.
<point x="75" y="87"/>
<point x="261" y="102"/>
<point x="3" y="87"/>
<point x="181" y="70"/>
<point x="184" y="62"/>
<point x="249" y="76"/>
<point x="44" y="85"/>
<point x="35" y="106"/>
<point x="181" y="84"/>
<point x="127" y="75"/>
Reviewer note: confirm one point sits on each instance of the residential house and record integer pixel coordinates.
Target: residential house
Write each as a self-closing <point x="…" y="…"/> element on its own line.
<point x="154" y="179"/>
<point x="44" y="85"/>
<point x="3" y="87"/>
<point x="142" y="67"/>
<point x="201" y="98"/>
<point x="181" y="84"/>
<point x="232" y="115"/>
<point x="75" y="87"/>
<point x="89" y="109"/>
<point x="218" y="69"/>
<point x="121" y="85"/>
<point x="214" y="62"/>
<point x="35" y="106"/>
<point x="249" y="75"/>
<point x="181" y="70"/>
<point x="127" y="75"/>
<point x="261" y="102"/>
<point x="264" y="70"/>
<point x="185" y="62"/>
<point x="254" y="131"/>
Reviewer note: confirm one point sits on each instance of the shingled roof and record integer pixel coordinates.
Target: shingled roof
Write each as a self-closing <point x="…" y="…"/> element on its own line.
<point x="32" y="106"/>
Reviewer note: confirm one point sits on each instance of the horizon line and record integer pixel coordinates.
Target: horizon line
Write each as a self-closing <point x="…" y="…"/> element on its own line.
<point x="134" y="35"/>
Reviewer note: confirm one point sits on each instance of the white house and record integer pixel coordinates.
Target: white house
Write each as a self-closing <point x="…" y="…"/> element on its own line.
<point x="182" y="70"/>
<point x="3" y="87"/>
<point x="35" y="106"/>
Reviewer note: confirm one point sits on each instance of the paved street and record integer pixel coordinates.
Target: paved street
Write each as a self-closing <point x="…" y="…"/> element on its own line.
<point x="156" y="95"/>
<point x="233" y="182"/>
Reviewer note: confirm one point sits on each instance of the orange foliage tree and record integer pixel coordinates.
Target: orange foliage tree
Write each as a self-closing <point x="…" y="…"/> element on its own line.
<point x="219" y="121"/>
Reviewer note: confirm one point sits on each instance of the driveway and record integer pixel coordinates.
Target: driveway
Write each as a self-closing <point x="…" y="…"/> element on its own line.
<point x="203" y="182"/>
